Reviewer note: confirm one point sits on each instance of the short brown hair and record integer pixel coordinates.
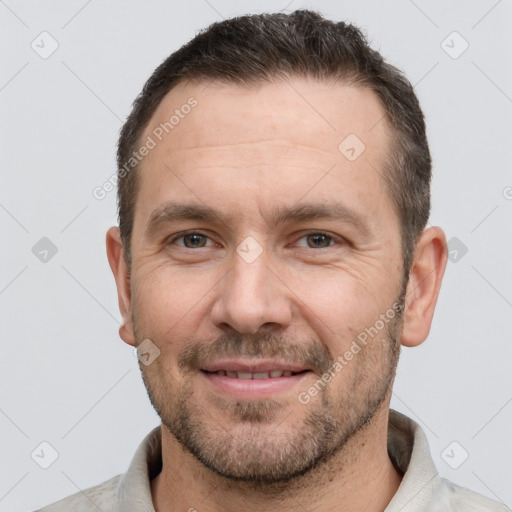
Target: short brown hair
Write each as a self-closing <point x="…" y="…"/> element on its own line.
<point x="258" y="48"/>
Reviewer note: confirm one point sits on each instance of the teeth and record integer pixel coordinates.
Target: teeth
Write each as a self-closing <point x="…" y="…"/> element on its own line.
<point x="256" y="375"/>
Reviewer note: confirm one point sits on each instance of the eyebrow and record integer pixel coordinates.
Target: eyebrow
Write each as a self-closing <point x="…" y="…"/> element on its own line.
<point x="174" y="211"/>
<point x="314" y="211"/>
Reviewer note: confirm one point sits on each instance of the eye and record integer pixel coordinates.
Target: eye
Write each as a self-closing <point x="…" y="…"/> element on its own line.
<point x="190" y="240"/>
<point x="318" y="240"/>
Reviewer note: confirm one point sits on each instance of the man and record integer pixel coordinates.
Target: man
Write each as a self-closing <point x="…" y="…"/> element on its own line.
<point x="271" y="258"/>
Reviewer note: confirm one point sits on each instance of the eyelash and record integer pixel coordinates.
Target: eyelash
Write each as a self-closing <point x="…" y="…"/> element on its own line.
<point x="183" y="234"/>
<point x="335" y="239"/>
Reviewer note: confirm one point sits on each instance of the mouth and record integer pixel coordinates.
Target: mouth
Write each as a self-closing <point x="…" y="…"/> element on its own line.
<point x="253" y="380"/>
<point x="272" y="374"/>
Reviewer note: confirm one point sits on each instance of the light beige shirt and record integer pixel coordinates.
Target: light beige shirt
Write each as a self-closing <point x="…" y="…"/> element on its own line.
<point x="421" y="490"/>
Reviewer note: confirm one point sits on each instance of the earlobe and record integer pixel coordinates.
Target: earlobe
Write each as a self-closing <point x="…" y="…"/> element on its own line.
<point x="425" y="279"/>
<point x="117" y="262"/>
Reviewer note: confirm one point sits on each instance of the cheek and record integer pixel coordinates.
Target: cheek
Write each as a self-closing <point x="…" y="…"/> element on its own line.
<point x="337" y="309"/>
<point x="166" y="303"/>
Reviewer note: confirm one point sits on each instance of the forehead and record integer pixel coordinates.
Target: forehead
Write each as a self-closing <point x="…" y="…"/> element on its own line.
<point x="303" y="111"/>
<point x="216" y="140"/>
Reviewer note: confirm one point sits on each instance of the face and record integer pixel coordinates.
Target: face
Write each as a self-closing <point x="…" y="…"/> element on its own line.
<point x="262" y="256"/>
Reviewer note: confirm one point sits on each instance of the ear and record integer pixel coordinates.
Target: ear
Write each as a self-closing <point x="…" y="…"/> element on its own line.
<point x="425" y="278"/>
<point x="117" y="261"/>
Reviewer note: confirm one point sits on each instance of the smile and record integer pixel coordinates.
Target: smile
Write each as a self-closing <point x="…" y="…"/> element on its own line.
<point x="252" y="380"/>
<point x="273" y="374"/>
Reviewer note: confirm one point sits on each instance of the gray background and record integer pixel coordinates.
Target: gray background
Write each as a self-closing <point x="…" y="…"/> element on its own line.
<point x="65" y="376"/>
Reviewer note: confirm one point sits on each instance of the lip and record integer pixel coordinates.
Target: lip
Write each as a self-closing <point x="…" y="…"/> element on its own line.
<point x="252" y="389"/>
<point x="258" y="365"/>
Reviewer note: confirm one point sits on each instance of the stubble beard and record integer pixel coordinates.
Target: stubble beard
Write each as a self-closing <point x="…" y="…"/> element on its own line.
<point x="262" y="447"/>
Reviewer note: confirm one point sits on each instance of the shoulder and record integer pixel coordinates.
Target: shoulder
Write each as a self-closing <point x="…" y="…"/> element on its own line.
<point x="465" y="500"/>
<point x="100" y="497"/>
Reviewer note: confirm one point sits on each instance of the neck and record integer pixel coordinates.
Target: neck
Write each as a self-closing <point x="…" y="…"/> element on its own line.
<point x="359" y="477"/>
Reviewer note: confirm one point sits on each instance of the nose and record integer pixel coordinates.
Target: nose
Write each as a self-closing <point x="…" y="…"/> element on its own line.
<point x="251" y="297"/>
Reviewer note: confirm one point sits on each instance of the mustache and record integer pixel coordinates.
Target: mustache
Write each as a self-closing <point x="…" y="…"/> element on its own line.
<point x="311" y="355"/>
